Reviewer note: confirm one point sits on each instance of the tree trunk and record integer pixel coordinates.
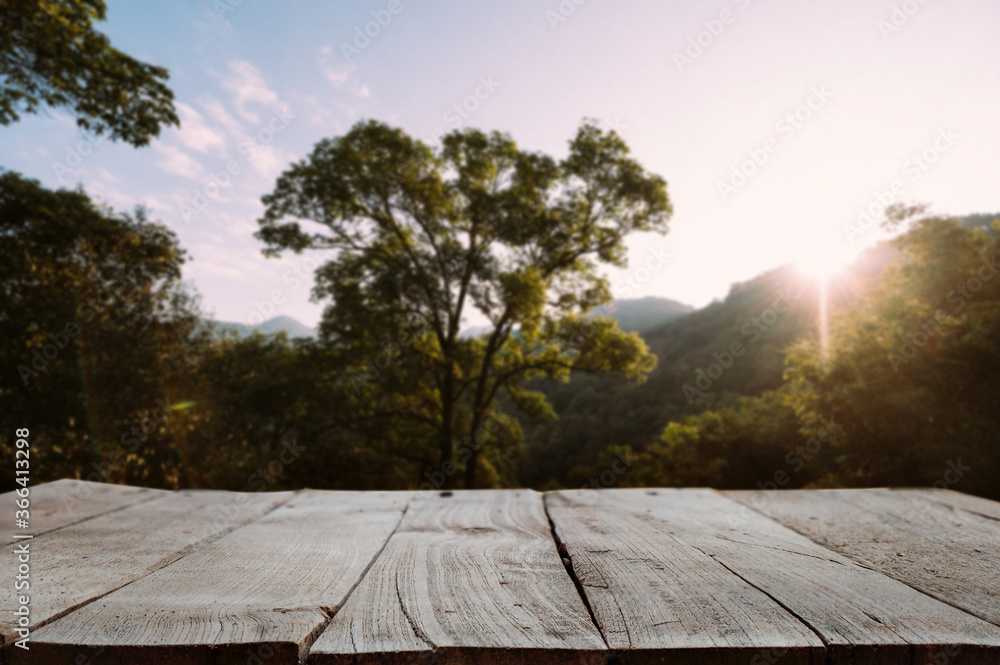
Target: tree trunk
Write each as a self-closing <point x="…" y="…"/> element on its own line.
<point x="470" y="468"/>
<point x="445" y="462"/>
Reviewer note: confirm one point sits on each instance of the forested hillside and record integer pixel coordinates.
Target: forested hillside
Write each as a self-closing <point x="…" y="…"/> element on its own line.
<point x="600" y="416"/>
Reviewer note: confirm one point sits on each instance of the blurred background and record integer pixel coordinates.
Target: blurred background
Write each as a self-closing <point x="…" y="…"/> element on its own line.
<point x="734" y="244"/>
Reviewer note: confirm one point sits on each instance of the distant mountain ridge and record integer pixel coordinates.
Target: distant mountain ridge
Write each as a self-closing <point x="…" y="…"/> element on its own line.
<point x="643" y="314"/>
<point x="286" y="324"/>
<point x="633" y="314"/>
<point x="595" y="409"/>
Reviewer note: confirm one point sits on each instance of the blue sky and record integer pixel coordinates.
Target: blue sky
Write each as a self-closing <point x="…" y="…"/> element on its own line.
<point x="773" y="122"/>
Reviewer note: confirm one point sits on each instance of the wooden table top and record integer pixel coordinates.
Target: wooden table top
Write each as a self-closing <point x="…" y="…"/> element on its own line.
<point x="128" y="575"/>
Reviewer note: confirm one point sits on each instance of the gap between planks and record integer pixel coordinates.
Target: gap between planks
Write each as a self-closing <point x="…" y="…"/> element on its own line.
<point x="917" y="518"/>
<point x="902" y="638"/>
<point x="312" y="637"/>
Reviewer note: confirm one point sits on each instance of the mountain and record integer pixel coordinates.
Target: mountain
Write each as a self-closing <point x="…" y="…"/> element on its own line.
<point x="643" y="314"/>
<point x="595" y="409"/>
<point x="633" y="315"/>
<point x="286" y="324"/>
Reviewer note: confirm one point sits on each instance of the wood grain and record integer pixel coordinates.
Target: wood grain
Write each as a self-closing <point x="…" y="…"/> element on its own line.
<point x="930" y="540"/>
<point x="267" y="588"/>
<point x="84" y="561"/>
<point x="473" y="577"/>
<point x="662" y="598"/>
<point x="58" y="504"/>
<point x="955" y="500"/>
<point x="861" y="615"/>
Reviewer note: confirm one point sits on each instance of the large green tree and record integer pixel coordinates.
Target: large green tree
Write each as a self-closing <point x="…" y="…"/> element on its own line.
<point x="51" y="55"/>
<point x="426" y="239"/>
<point x="91" y="315"/>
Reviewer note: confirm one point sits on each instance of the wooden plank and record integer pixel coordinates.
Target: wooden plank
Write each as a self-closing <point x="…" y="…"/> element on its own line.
<point x="266" y="589"/>
<point x="663" y="600"/>
<point x="84" y="561"/>
<point x="58" y="504"/>
<point x="956" y="501"/>
<point x="861" y="615"/>
<point x="953" y="555"/>
<point x="469" y="577"/>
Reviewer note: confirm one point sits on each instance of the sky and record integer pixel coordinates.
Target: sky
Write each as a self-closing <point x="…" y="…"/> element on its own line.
<point x="775" y="123"/>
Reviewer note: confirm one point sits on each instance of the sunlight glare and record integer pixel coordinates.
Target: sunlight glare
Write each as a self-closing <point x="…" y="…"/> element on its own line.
<point x="821" y="264"/>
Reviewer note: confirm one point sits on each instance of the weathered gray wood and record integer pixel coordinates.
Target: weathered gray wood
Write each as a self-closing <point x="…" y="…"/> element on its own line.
<point x="955" y="500"/>
<point x="84" y="561"/>
<point x="915" y="537"/>
<point x="58" y="504"/>
<point x="861" y="615"/>
<point x="265" y="589"/>
<point x="469" y="578"/>
<point x="653" y="593"/>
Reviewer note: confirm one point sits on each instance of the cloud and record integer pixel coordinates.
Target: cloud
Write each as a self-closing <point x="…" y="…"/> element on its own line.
<point x="269" y="161"/>
<point x="229" y="258"/>
<point x="176" y="161"/>
<point x="110" y="195"/>
<point x="157" y="204"/>
<point x="247" y="86"/>
<point x="338" y="75"/>
<point x="194" y="133"/>
<point x="217" y="111"/>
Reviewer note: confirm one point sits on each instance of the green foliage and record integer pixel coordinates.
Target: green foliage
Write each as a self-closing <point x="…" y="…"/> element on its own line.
<point x="733" y="447"/>
<point x="912" y="371"/>
<point x="425" y="235"/>
<point x="106" y="358"/>
<point x="903" y="410"/>
<point x="51" y="55"/>
<point x="595" y="411"/>
<point x="90" y="311"/>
